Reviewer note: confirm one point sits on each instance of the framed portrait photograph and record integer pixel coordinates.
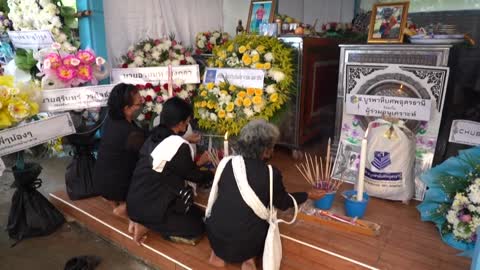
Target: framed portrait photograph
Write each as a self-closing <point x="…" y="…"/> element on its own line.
<point x="387" y="22"/>
<point x="260" y="12"/>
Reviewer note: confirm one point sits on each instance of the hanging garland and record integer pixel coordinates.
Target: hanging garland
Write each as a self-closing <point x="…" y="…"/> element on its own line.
<point x="225" y="107"/>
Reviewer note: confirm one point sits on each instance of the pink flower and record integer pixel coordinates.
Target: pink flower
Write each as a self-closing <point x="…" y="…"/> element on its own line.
<point x="187" y="54"/>
<point x="56" y="46"/>
<point x="47" y="64"/>
<point x="86" y="57"/>
<point x="84" y="72"/>
<point x="159" y="99"/>
<point x="65" y="73"/>
<point x="465" y="218"/>
<point x="70" y="61"/>
<point x="174" y="42"/>
<point x="100" y="61"/>
<point x="55" y="60"/>
<point x="130" y="55"/>
<point x="157" y="41"/>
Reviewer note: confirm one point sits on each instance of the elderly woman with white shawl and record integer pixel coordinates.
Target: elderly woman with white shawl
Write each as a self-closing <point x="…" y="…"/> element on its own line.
<point x="238" y="213"/>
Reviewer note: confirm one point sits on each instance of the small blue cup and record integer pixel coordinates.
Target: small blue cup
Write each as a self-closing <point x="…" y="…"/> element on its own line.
<point x="354" y="208"/>
<point x="326" y="202"/>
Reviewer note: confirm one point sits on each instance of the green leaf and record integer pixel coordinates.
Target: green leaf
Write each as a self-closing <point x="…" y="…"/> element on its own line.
<point x="24" y="60"/>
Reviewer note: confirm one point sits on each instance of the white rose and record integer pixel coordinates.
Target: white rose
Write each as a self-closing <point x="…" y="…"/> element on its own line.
<point x="213" y="117"/>
<point x="248" y="112"/>
<point x="149" y="104"/>
<point x="268" y="57"/>
<point x="167" y="43"/>
<point x="141" y="117"/>
<point x="204" y="38"/>
<point x="201" y="44"/>
<point x="183" y="94"/>
<point x="158" y="108"/>
<point x="213" y="40"/>
<point x="216" y="34"/>
<point x="138" y="60"/>
<point x="156" y="55"/>
<point x="276" y="75"/>
<point x="147" y="47"/>
<point x="253" y="52"/>
<point x="270" y="89"/>
<point x="257" y="108"/>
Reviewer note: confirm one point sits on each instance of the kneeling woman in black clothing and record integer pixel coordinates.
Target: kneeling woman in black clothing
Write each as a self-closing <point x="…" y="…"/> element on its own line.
<point x="155" y="198"/>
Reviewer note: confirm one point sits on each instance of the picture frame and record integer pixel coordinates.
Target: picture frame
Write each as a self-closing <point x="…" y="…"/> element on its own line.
<point x="388" y="22"/>
<point x="261" y="11"/>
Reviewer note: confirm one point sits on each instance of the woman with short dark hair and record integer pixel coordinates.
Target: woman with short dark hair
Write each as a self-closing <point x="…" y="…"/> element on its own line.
<point x="119" y="146"/>
<point x="159" y="198"/>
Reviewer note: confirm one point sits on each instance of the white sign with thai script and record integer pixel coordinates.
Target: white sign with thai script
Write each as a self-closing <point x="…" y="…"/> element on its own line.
<point x="396" y="107"/>
<point x="29" y="135"/>
<point x="78" y="98"/>
<point x="186" y="74"/>
<point x="34" y="39"/>
<point x="465" y="132"/>
<point x="237" y="76"/>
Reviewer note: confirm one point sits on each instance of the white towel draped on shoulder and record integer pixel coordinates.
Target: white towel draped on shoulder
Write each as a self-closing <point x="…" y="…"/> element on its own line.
<point x="166" y="150"/>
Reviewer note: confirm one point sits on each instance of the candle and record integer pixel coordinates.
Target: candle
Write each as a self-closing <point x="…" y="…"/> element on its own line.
<point x="210" y="144"/>
<point x="170" y="81"/>
<point x="225" y="145"/>
<point x="361" y="169"/>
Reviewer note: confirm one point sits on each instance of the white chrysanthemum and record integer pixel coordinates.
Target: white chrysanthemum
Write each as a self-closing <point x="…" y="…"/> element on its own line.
<point x="230" y="115"/>
<point x="167" y="43"/>
<point x="147" y="47"/>
<point x="141" y="117"/>
<point x="156" y="55"/>
<point x="178" y="47"/>
<point x="474" y="193"/>
<point x="270" y="89"/>
<point x="138" y="60"/>
<point x="151" y="93"/>
<point x="143" y="93"/>
<point x="149" y="105"/>
<point x="183" y="94"/>
<point x="452" y="217"/>
<point x="190" y="87"/>
<point x="268" y="57"/>
<point x="258" y="108"/>
<point x="158" y="108"/>
<point x="213" y="117"/>
<point x="216" y="34"/>
<point x="248" y="112"/>
<point x="253" y="52"/>
<point x="175" y="63"/>
<point x="203" y="38"/>
<point x="213" y="40"/>
<point x="190" y="60"/>
<point x="277" y="75"/>
<point x="201" y="44"/>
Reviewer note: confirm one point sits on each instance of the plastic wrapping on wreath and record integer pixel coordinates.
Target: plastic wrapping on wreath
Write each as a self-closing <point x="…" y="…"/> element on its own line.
<point x="389" y="168"/>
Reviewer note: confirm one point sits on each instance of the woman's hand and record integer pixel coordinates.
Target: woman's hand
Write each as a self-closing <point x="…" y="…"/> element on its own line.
<point x="316" y="194"/>
<point x="204" y="159"/>
<point x="194" y="138"/>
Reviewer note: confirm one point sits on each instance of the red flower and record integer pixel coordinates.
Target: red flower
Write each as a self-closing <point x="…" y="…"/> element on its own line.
<point x="197" y="51"/>
<point x="183" y="62"/>
<point x="165" y="86"/>
<point x="148" y="98"/>
<point x="140" y="87"/>
<point x="125" y="65"/>
<point x="209" y="46"/>
<point x="174" y="42"/>
<point x="157" y="41"/>
<point x="177" y="89"/>
<point x="148" y="85"/>
<point x="157" y="89"/>
<point x="188" y="53"/>
<point x="148" y="116"/>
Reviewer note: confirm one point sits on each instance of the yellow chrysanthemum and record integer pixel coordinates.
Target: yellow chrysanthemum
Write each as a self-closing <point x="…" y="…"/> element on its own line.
<point x="250" y="91"/>
<point x="259" y="66"/>
<point x="257" y="100"/>
<point x="18" y="109"/>
<point x="230" y="107"/>
<point x="219" y="63"/>
<point x="222" y="84"/>
<point x="258" y="91"/>
<point x="222" y="54"/>
<point x="230" y="48"/>
<point x="255" y="58"/>
<point x="274" y="97"/>
<point x="248" y="46"/>
<point x="267" y="65"/>
<point x="239" y="101"/>
<point x="204" y="104"/>
<point x="210" y="104"/>
<point x="204" y="93"/>
<point x="232" y="88"/>
<point x="241" y="94"/>
<point x="7" y="80"/>
<point x="242" y="49"/>
<point x="5" y="121"/>
<point x="261" y="48"/>
<point x="210" y="85"/>
<point x="247" y="102"/>
<point x="4" y="93"/>
<point x="221" y="114"/>
<point x="246" y="59"/>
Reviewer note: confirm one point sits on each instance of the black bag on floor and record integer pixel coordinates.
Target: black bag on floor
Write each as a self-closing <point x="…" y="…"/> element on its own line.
<point x="31" y="214"/>
<point x="79" y="175"/>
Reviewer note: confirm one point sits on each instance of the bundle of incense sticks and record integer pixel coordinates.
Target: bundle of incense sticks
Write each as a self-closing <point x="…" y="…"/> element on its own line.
<point x="214" y="158"/>
<point x="317" y="173"/>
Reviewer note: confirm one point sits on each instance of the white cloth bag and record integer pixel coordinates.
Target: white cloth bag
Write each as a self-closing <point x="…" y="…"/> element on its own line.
<point x="272" y="253"/>
<point x="389" y="168"/>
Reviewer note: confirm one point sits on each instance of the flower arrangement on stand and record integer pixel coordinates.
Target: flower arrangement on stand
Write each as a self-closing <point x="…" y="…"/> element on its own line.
<point x="226" y="107"/>
<point x="157" y="52"/>
<point x="452" y="200"/>
<point x="206" y="41"/>
<point x="153" y="97"/>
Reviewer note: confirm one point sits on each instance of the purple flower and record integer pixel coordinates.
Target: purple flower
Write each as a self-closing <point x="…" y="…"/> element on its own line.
<point x="355" y="133"/>
<point x="345" y="127"/>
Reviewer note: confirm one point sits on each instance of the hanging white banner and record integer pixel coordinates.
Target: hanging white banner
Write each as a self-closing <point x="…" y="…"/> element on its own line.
<point x="243" y="77"/>
<point x="32" y="39"/>
<point x="396" y="107"/>
<point x="78" y="98"/>
<point x="29" y="135"/>
<point x="465" y="132"/>
<point x="187" y="74"/>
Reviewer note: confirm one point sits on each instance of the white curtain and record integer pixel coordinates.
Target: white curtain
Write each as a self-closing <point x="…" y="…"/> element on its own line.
<point x="128" y="21"/>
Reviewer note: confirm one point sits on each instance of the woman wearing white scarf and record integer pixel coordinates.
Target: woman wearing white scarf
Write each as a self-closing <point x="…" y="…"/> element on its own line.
<point x="234" y="225"/>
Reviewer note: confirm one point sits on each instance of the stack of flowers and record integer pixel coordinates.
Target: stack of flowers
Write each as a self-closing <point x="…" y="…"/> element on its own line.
<point x="153" y="97"/>
<point x="452" y="200"/>
<point x="60" y="69"/>
<point x="206" y="41"/>
<point x="157" y="52"/>
<point x="16" y="104"/>
<point x="225" y="107"/>
<point x="5" y="23"/>
<point x="48" y="15"/>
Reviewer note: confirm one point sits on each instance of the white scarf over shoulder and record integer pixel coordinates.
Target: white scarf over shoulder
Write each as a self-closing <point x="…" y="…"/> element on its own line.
<point x="272" y="254"/>
<point x="166" y="150"/>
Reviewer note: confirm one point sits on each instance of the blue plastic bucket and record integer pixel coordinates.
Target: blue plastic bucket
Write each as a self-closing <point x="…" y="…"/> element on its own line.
<point x="326" y="202"/>
<point x="354" y="208"/>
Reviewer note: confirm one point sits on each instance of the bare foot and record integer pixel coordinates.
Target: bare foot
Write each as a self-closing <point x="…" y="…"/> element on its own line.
<point x="249" y="265"/>
<point x="131" y="227"/>
<point x="121" y="210"/>
<point x="139" y="233"/>
<point x="113" y="204"/>
<point x="216" y="261"/>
